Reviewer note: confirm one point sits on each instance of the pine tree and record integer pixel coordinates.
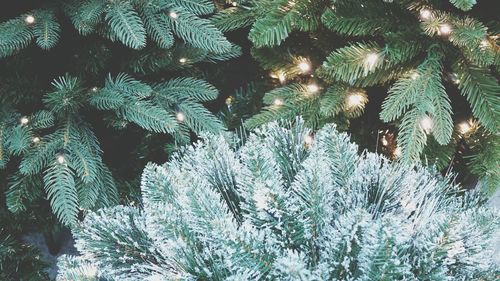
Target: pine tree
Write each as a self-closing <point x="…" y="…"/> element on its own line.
<point x="283" y="204"/>
<point x="423" y="53"/>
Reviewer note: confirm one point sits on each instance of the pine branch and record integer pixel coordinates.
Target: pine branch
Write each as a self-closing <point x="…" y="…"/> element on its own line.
<point x="232" y="19"/>
<point x="188" y="88"/>
<point x="126" y="25"/>
<point x="15" y="34"/>
<point x="158" y="27"/>
<point x="199" y="32"/>
<point x="482" y="91"/>
<point x="46" y="29"/>
<point x="86" y="15"/>
<point x="464" y="5"/>
<point x="62" y="193"/>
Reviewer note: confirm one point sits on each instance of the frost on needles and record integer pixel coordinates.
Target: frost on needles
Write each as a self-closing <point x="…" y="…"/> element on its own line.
<point x="283" y="205"/>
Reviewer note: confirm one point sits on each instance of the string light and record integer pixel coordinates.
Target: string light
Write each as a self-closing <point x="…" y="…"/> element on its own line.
<point x="280" y="76"/>
<point x="397" y="152"/>
<point x="182" y="60"/>
<point x="454" y="78"/>
<point x="414" y="75"/>
<point x="94" y="89"/>
<point x="278" y="102"/>
<point x="308" y="139"/>
<point x="484" y="44"/>
<point x="24" y="120"/>
<point x="229" y="101"/>
<point x="425" y="14"/>
<point x="304" y="66"/>
<point x="444" y="29"/>
<point x="464" y="127"/>
<point x="312" y="88"/>
<point x="35" y="140"/>
<point x="234" y="4"/>
<point x="60" y="159"/>
<point x="173" y="15"/>
<point x="180" y="116"/>
<point x="384" y="141"/>
<point x="426" y="124"/>
<point x="371" y="60"/>
<point x="356" y="100"/>
<point x="29" y="19"/>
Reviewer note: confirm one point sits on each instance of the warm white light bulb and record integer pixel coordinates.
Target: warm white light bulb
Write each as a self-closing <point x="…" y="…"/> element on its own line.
<point x="94" y="89"/>
<point x="304" y="66"/>
<point x="484" y="44"/>
<point x="464" y="127"/>
<point x="354" y="100"/>
<point x="444" y="29"/>
<point x="371" y="60"/>
<point x="384" y="141"/>
<point x="182" y="60"/>
<point x="173" y="15"/>
<point x="180" y="116"/>
<point x="397" y="152"/>
<point x="36" y="140"/>
<point x="454" y="79"/>
<point x="278" y="102"/>
<point x="308" y="139"/>
<point x="234" y="4"/>
<point x="425" y="14"/>
<point x="312" y="88"/>
<point x="29" y="19"/>
<point x="426" y="124"/>
<point x="60" y="159"/>
<point x="24" y="120"/>
<point x="281" y="77"/>
<point x="414" y="76"/>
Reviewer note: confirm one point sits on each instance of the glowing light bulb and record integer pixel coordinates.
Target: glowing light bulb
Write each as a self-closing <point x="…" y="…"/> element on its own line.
<point x="229" y="100"/>
<point x="444" y="29"/>
<point x="425" y="14"/>
<point x="484" y="44"/>
<point x="312" y="88"/>
<point x="234" y="4"/>
<point x="355" y="100"/>
<point x="29" y="19"/>
<point x="397" y="152"/>
<point x="414" y="76"/>
<point x="371" y="60"/>
<point x="304" y="66"/>
<point x="173" y="15"/>
<point x="180" y="116"/>
<point x="94" y="89"/>
<point x="282" y="77"/>
<point x="308" y="139"/>
<point x="426" y="124"/>
<point x="182" y="60"/>
<point x="464" y="127"/>
<point x="454" y="79"/>
<point x="24" y="120"/>
<point x="384" y="141"/>
<point x="278" y="102"/>
<point x="36" y="140"/>
<point x="60" y="159"/>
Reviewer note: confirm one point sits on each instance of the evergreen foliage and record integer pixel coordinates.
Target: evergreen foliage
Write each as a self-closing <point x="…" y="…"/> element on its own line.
<point x="421" y="51"/>
<point x="286" y="205"/>
<point x="69" y="157"/>
<point x="130" y="22"/>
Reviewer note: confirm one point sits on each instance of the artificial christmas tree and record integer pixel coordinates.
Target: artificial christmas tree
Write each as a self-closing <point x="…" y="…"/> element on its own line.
<point x="330" y="56"/>
<point x="283" y="204"/>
